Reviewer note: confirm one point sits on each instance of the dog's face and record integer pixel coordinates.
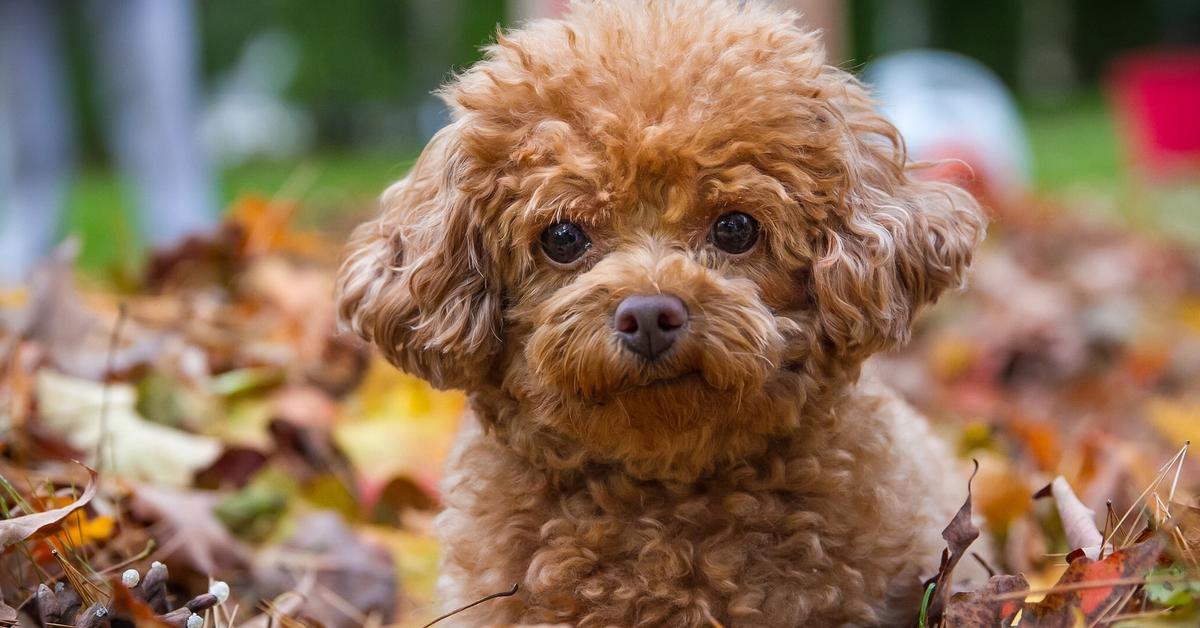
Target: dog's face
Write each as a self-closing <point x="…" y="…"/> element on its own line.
<point x="655" y="220"/>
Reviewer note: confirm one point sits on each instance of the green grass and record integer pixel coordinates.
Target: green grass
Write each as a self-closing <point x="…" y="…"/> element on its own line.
<point x="1078" y="152"/>
<point x="99" y="209"/>
<point x="1074" y="143"/>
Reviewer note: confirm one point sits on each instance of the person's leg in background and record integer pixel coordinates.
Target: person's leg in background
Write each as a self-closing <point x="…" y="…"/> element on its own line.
<point x="36" y="140"/>
<point x="149" y="78"/>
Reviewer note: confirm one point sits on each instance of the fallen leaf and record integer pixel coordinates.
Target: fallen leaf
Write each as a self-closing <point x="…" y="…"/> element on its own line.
<point x="959" y="534"/>
<point x="1062" y="607"/>
<point x="286" y="604"/>
<point x="397" y="425"/>
<point x="76" y="530"/>
<point x="355" y="579"/>
<point x="1187" y="519"/>
<point x="1078" y="521"/>
<point x="76" y="336"/>
<point x="398" y="496"/>
<point x="255" y="510"/>
<point x="77" y="410"/>
<point x="311" y="453"/>
<point x="196" y="534"/>
<point x="17" y="529"/>
<point x="196" y="261"/>
<point x="1000" y="492"/>
<point x="1040" y="438"/>
<point x="951" y="356"/>
<point x="1177" y="421"/>
<point x="980" y="609"/>
<point x="1172" y="587"/>
<point x="267" y="225"/>
<point x="125" y="606"/>
<point x="233" y="469"/>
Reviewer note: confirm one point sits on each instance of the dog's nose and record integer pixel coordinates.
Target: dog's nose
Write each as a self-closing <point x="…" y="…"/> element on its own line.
<point x="649" y="324"/>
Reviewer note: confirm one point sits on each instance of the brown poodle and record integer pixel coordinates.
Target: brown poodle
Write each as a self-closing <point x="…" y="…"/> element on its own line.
<point x="655" y="246"/>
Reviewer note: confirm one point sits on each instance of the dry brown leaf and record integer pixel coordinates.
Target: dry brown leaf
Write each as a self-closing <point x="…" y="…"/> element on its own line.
<point x="1000" y="492"/>
<point x="7" y="613"/>
<point x="959" y="534"/>
<point x="355" y="579"/>
<point x="75" y="333"/>
<point x="981" y="609"/>
<point x="17" y="529"/>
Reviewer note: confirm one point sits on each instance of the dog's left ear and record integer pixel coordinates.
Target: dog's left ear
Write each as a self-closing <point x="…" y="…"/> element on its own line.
<point x="898" y="245"/>
<point x="418" y="280"/>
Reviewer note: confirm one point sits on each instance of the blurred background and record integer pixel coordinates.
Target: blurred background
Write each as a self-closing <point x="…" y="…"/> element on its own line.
<point x="115" y="113"/>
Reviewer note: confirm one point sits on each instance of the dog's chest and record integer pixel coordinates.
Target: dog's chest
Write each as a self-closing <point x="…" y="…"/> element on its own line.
<point x="752" y="551"/>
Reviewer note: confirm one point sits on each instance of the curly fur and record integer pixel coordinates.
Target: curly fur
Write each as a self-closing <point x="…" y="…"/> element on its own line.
<point x="750" y="477"/>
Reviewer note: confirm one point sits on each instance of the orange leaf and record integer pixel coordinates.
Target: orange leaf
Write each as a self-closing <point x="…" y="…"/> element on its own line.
<point x="17" y="529"/>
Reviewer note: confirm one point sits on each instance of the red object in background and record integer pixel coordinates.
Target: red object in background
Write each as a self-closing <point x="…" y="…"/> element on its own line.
<point x="1157" y="97"/>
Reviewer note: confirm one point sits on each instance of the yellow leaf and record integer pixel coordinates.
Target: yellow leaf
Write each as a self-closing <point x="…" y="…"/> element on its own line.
<point x="1176" y="420"/>
<point x="1188" y="313"/>
<point x="14" y="297"/>
<point x="951" y="356"/>
<point x="417" y="558"/>
<point x="398" y="425"/>
<point x="1000" y="493"/>
<point x="388" y="392"/>
<point x="328" y="493"/>
<point x="1044" y="579"/>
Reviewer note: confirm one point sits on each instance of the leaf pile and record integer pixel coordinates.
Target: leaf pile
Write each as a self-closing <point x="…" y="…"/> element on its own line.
<point x="237" y="437"/>
<point x="1071" y="362"/>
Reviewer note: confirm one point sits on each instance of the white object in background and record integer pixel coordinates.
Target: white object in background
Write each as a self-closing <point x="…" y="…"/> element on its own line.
<point x="948" y="106"/>
<point x="247" y="116"/>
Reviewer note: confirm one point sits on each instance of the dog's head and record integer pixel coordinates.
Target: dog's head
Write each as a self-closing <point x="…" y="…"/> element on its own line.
<point x="652" y="220"/>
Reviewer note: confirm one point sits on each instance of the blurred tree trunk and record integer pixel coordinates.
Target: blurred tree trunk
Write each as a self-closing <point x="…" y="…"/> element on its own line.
<point x="435" y="44"/>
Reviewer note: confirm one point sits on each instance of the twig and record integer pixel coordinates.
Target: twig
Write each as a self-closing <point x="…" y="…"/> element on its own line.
<point x="1162" y="474"/>
<point x="509" y="593"/>
<point x="88" y="591"/>
<point x="1090" y="584"/>
<point x="122" y="312"/>
<point x="1113" y="607"/>
<point x="1178" y="470"/>
<point x="150" y="545"/>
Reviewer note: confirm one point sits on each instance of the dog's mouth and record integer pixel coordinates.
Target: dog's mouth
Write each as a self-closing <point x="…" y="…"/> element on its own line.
<point x="686" y="379"/>
<point x="683" y="388"/>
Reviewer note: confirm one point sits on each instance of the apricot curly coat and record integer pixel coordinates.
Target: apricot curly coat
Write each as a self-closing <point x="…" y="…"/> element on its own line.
<point x="750" y="476"/>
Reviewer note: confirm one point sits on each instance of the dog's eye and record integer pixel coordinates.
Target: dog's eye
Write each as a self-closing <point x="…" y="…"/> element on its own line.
<point x="734" y="232"/>
<point x="564" y="242"/>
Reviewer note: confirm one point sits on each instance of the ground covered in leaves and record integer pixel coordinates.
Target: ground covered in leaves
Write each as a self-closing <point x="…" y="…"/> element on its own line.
<point x="256" y="468"/>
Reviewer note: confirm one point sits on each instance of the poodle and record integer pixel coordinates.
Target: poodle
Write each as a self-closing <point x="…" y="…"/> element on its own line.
<point x="655" y="245"/>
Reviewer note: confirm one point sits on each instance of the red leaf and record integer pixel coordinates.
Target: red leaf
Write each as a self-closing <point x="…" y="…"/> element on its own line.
<point x="1059" y="607"/>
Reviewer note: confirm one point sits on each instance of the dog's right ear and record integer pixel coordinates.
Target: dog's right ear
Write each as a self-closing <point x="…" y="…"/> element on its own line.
<point x="418" y="281"/>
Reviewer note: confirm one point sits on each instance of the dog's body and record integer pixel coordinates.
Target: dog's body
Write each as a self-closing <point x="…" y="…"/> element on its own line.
<point x="825" y="527"/>
<point x="656" y="246"/>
